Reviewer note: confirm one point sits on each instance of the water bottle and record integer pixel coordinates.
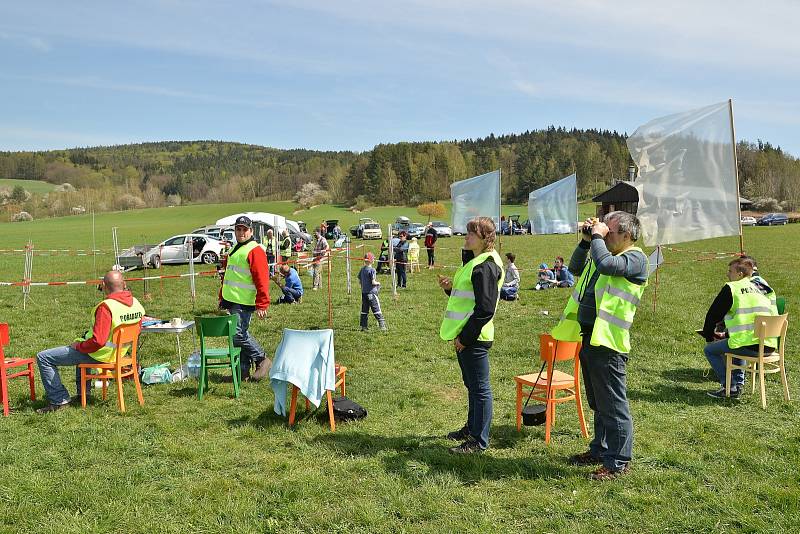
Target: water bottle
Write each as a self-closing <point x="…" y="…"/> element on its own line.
<point x="193" y="364"/>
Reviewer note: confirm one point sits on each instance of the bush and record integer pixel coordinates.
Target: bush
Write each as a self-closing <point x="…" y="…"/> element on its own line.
<point x="173" y="200"/>
<point x="130" y="202"/>
<point x="22" y="216"/>
<point x="766" y="204"/>
<point x="362" y="203"/>
<point x="433" y="210"/>
<point x="311" y="194"/>
<point x="65" y="188"/>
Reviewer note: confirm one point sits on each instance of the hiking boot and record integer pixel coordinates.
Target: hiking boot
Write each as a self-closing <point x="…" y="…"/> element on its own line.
<point x="470" y="446"/>
<point x="585" y="458"/>
<point x="604" y="473"/>
<point x="52" y="408"/>
<point x="262" y="370"/>
<point x="736" y="392"/>
<point x="459" y="435"/>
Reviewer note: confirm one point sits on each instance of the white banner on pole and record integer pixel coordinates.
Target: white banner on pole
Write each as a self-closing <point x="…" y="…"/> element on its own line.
<point x="687" y="185"/>
<point x="553" y="209"/>
<point x="478" y="196"/>
<point x="655" y="259"/>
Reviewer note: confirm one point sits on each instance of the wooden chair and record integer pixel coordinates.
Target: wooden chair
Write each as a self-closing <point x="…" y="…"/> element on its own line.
<point x="125" y="338"/>
<point x="228" y="357"/>
<point x="766" y="326"/>
<point x="7" y="363"/>
<point x="554" y="381"/>
<point x="341" y="380"/>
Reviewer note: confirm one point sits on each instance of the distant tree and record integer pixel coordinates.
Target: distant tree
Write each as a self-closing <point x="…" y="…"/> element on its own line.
<point x="311" y="194"/>
<point x="19" y="194"/>
<point x="21" y="217"/>
<point x="432" y="210"/>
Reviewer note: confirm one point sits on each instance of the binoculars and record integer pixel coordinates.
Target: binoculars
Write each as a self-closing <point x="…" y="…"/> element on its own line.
<point x="587" y="229"/>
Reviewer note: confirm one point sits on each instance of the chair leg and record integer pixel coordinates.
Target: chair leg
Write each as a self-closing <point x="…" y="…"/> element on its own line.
<point x="344" y="384"/>
<point x="105" y="388"/>
<point x="579" y="406"/>
<point x="293" y="405"/>
<point x="235" y="376"/>
<point x="547" y="422"/>
<point x="308" y="405"/>
<point x="119" y="393"/>
<point x="31" y="383"/>
<point x="330" y="411"/>
<point x="4" y="389"/>
<point x="83" y="387"/>
<point x="728" y="363"/>
<point x="763" y="386"/>
<point x="785" y="382"/>
<point x="753" y="370"/>
<point x="138" y="385"/>
<point x="519" y="406"/>
<point x="202" y="378"/>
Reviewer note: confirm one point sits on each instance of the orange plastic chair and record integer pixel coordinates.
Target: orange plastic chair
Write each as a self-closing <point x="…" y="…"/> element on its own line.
<point x="341" y="380"/>
<point x="555" y="381"/>
<point x="7" y="363"/>
<point x="766" y="326"/>
<point x="123" y="366"/>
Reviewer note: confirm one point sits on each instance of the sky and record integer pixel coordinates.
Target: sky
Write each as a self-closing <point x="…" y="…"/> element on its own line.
<point x="350" y="74"/>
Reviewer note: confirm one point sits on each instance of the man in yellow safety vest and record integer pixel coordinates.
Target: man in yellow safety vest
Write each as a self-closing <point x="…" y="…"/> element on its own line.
<point x="737" y="305"/>
<point x="599" y="314"/>
<point x="118" y="308"/>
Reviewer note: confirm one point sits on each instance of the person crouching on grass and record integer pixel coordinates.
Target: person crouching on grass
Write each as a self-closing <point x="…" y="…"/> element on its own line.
<point x="473" y="295"/>
<point x="369" y="294"/>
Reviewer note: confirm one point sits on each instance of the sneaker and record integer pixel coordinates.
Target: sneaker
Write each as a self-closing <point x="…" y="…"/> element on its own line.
<point x="736" y="392"/>
<point x="459" y="435"/>
<point x="262" y="370"/>
<point x="604" y="473"/>
<point x="585" y="458"/>
<point x="470" y="446"/>
<point x="384" y="328"/>
<point x="364" y="329"/>
<point x="52" y="408"/>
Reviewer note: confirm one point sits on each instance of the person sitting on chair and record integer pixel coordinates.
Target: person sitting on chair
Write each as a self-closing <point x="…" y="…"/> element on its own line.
<point x="737" y="304"/>
<point x="119" y="307"/>
<point x="290" y="284"/>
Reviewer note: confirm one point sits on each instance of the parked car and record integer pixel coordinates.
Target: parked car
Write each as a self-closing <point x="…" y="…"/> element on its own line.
<point x="180" y="248"/>
<point x="358" y="229"/>
<point x="442" y="229"/>
<point x="771" y="219"/>
<point x="372" y="230"/>
<point x="416" y="230"/>
<point x="333" y="232"/>
<point x="401" y="224"/>
<point x="748" y="221"/>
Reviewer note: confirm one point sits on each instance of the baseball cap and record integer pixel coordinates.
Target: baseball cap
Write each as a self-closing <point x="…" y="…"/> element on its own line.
<point x="243" y="220"/>
<point x="369" y="256"/>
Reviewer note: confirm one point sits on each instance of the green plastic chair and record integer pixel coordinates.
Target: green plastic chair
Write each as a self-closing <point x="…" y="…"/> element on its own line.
<point x="222" y="358"/>
<point x="780" y="303"/>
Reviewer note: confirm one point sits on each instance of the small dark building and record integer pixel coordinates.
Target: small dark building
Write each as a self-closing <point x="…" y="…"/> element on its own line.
<point x="745" y="204"/>
<point x="622" y="196"/>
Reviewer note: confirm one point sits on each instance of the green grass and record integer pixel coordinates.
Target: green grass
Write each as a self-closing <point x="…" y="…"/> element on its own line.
<point x="33" y="186"/>
<point x="225" y="465"/>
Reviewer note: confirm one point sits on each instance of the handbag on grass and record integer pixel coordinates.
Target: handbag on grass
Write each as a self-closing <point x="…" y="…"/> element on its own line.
<point x="535" y="414"/>
<point x="345" y="409"/>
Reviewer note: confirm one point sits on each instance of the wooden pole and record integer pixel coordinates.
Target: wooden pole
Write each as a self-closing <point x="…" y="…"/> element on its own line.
<point x="736" y="175"/>
<point x="330" y="303"/>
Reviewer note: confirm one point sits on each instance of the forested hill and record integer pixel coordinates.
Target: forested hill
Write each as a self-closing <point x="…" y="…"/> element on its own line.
<point x="402" y="173"/>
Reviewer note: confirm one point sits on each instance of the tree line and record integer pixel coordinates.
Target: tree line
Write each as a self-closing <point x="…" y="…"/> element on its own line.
<point x="159" y="173"/>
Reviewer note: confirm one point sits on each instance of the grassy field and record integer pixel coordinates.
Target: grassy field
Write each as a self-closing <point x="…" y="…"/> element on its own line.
<point x="224" y="465"/>
<point x="33" y="186"/>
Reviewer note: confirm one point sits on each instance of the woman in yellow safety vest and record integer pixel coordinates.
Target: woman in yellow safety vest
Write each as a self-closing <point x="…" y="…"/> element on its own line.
<point x="473" y="295"/>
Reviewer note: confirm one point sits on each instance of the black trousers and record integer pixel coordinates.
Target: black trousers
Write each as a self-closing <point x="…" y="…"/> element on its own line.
<point x="430" y="256"/>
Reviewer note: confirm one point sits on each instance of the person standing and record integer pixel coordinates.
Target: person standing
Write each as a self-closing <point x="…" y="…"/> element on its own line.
<point x="245" y="289"/>
<point x="321" y="249"/>
<point x="285" y="246"/>
<point x="119" y="307"/>
<point x="599" y="314"/>
<point x="369" y="294"/>
<point x="473" y="294"/>
<point x="401" y="258"/>
<point x="269" y="245"/>
<point x="430" y="243"/>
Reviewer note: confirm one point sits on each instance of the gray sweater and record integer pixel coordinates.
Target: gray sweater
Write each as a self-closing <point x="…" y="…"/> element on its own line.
<point x="631" y="264"/>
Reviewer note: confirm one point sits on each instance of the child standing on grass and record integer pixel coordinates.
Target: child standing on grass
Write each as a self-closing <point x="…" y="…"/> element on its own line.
<point x="369" y="294"/>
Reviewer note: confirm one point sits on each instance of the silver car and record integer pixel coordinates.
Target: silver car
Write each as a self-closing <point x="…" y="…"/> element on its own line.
<point x="180" y="248"/>
<point x="442" y="229"/>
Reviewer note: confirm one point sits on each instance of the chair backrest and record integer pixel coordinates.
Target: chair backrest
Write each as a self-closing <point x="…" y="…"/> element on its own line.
<point x="552" y="350"/>
<point x="126" y="336"/>
<point x="216" y="326"/>
<point x="3" y="335"/>
<point x="767" y="326"/>
<point x="780" y="303"/>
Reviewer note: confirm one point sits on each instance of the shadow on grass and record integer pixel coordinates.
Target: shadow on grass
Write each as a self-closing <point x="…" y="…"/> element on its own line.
<point x="263" y="421"/>
<point x="688" y="374"/>
<point x="675" y="394"/>
<point x="414" y="456"/>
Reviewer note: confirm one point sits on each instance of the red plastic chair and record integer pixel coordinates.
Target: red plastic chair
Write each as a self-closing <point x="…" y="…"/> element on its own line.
<point x="7" y="363"/>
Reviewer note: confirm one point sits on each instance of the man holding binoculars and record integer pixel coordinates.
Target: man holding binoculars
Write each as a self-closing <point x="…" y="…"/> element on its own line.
<point x="599" y="314"/>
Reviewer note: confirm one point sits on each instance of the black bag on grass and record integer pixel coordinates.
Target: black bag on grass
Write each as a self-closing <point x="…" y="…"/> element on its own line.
<point x="346" y="410"/>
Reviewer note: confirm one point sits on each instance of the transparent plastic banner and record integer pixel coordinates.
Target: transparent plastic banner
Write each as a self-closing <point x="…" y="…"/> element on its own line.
<point x="687" y="178"/>
<point x="478" y="196"/>
<point x="553" y="209"/>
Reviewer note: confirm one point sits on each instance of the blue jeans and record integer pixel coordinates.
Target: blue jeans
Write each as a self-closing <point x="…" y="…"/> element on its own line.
<point x="715" y="354"/>
<point x="252" y="353"/>
<point x="400" y="271"/>
<point x="605" y="380"/>
<point x="508" y="292"/>
<point x="474" y="363"/>
<point x="50" y="360"/>
<point x="289" y="295"/>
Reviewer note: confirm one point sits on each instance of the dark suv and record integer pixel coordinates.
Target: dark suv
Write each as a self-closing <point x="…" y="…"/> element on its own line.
<point x="772" y="219"/>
